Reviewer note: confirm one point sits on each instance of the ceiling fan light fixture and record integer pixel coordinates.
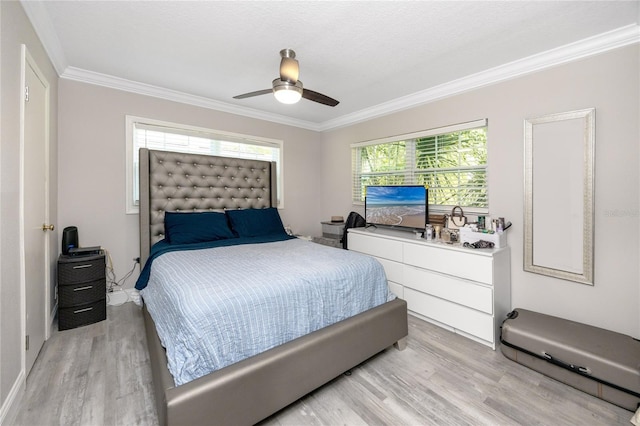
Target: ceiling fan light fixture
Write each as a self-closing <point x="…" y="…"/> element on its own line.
<point x="287" y="92"/>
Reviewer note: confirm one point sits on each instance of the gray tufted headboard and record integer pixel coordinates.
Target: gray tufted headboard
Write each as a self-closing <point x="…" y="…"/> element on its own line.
<point x="172" y="181"/>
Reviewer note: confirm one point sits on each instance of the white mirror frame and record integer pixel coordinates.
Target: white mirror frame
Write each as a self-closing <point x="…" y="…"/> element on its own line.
<point x="558" y="234"/>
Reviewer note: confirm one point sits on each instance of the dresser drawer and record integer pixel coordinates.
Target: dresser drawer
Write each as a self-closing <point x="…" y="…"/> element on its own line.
<point x="456" y="316"/>
<point x="446" y="287"/>
<point x="375" y="246"/>
<point x="81" y="293"/>
<point x="463" y="264"/>
<point x="392" y="269"/>
<point x="81" y="271"/>
<point x="82" y="315"/>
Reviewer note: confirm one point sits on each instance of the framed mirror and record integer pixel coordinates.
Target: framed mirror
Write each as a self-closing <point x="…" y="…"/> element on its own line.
<point x="558" y="196"/>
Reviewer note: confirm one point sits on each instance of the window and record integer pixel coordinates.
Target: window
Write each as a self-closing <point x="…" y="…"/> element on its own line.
<point x="159" y="135"/>
<point x="450" y="161"/>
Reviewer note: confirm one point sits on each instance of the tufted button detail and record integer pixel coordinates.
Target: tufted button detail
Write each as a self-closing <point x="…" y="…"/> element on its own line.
<point x="195" y="164"/>
<point x="160" y="161"/>
<point x="178" y="163"/>
<point x="169" y="174"/>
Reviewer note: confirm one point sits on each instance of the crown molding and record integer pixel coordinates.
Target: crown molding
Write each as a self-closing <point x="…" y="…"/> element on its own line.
<point x="630" y="34"/>
<point x="601" y="43"/>
<point x="41" y="22"/>
<point x="104" y="80"/>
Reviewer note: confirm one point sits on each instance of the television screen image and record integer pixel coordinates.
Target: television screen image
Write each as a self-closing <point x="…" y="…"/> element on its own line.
<point x="402" y="206"/>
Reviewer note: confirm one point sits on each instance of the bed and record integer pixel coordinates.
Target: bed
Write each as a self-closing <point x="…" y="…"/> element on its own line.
<point x="251" y="389"/>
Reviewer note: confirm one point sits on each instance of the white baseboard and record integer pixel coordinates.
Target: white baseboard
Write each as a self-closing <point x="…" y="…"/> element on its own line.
<point x="11" y="404"/>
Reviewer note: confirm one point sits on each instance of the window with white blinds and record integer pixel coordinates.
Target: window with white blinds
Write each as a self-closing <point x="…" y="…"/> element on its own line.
<point x="451" y="161"/>
<point x="164" y="136"/>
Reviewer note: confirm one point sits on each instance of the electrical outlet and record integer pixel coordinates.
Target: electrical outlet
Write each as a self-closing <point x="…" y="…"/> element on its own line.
<point x="136" y="259"/>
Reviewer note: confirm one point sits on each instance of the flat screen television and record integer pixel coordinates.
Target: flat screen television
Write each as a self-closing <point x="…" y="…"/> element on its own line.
<point x="397" y="206"/>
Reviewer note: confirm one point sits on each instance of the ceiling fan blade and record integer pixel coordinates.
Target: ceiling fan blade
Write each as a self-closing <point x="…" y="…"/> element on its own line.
<point x="252" y="94"/>
<point x="289" y="67"/>
<point x="319" y="97"/>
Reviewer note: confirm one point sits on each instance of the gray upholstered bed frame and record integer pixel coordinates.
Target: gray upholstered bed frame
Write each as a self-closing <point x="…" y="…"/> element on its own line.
<point x="251" y="390"/>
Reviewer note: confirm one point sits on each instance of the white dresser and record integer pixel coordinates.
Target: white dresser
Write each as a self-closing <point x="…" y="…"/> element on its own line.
<point x="464" y="290"/>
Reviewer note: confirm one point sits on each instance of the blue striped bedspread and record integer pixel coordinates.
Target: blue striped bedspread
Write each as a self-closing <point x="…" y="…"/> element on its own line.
<point x="217" y="306"/>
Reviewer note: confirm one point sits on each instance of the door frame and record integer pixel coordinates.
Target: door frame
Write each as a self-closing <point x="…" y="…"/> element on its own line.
<point x="27" y="60"/>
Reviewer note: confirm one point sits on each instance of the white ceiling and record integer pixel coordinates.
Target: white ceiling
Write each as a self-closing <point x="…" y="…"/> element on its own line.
<point x="374" y="57"/>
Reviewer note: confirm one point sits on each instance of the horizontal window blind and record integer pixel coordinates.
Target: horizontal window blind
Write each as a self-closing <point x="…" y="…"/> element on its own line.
<point x="451" y="161"/>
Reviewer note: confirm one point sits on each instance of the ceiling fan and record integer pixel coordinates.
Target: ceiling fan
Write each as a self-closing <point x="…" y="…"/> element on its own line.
<point x="288" y="89"/>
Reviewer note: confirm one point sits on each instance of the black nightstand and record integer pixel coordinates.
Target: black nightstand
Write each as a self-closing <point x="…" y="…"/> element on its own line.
<point x="82" y="290"/>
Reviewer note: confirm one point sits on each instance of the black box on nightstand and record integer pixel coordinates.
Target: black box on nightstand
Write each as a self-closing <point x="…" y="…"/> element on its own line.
<point x="82" y="290"/>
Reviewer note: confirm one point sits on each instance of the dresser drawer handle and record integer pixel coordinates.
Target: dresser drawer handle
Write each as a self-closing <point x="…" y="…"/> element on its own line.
<point x="83" y="288"/>
<point x="82" y="266"/>
<point x="82" y="310"/>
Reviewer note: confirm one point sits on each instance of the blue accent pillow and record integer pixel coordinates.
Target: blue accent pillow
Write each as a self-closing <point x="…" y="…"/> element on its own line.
<point x="256" y="222"/>
<point x="195" y="227"/>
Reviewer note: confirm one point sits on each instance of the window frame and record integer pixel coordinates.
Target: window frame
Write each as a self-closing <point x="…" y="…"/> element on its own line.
<point x="132" y="122"/>
<point x="410" y="139"/>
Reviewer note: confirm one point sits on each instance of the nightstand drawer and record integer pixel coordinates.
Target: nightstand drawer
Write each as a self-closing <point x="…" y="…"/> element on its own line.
<point x="82" y="315"/>
<point x="81" y="293"/>
<point x="81" y="271"/>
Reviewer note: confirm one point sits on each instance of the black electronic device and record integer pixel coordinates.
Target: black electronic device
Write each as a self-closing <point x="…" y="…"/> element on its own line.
<point x="85" y="251"/>
<point x="69" y="239"/>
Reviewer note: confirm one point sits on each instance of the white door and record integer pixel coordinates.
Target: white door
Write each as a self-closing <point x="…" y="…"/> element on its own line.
<point x="35" y="209"/>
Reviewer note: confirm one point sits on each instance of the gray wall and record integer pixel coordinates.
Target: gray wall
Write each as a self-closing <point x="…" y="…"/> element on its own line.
<point x="16" y="30"/>
<point x="610" y="83"/>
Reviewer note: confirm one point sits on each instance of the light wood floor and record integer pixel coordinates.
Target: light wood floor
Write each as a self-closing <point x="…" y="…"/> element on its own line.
<point x="100" y="375"/>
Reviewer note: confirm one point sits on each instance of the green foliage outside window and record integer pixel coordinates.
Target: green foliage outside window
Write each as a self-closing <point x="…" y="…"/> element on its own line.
<point x="451" y="165"/>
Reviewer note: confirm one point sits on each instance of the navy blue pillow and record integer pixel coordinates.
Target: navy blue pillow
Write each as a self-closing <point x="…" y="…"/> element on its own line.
<point x="256" y="222"/>
<point x="195" y="227"/>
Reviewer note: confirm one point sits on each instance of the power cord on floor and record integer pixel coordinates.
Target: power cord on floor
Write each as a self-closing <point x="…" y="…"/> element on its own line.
<point x="112" y="282"/>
